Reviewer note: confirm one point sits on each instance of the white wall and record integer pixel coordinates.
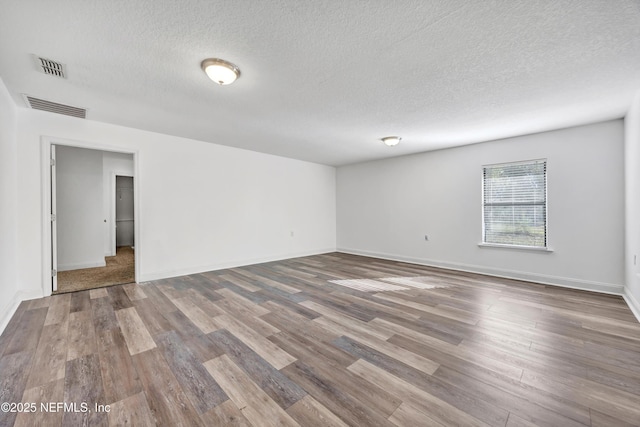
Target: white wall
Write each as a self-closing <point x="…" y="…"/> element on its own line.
<point x="202" y="206"/>
<point x="632" y="198"/>
<point x="384" y="208"/>
<point x="112" y="164"/>
<point x="80" y="213"/>
<point x="8" y="208"/>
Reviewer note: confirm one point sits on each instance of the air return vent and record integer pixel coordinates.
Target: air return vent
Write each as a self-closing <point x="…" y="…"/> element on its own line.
<point x="54" y="107"/>
<point x="49" y="67"/>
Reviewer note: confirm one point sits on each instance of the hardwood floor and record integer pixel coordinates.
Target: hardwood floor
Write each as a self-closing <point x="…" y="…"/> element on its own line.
<point x="327" y="340"/>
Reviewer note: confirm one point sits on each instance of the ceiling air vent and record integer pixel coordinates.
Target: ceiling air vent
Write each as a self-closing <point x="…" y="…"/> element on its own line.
<point x="54" y="107"/>
<point x="49" y="67"/>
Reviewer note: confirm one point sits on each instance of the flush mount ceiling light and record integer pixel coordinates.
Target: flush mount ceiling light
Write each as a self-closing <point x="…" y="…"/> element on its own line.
<point x="220" y="71"/>
<point x="391" y="140"/>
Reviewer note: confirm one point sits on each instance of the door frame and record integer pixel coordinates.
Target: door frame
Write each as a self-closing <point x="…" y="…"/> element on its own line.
<point x="46" y="230"/>
<point x="53" y="225"/>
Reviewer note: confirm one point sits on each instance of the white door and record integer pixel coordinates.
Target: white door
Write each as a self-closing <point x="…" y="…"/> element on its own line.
<point x="54" y="231"/>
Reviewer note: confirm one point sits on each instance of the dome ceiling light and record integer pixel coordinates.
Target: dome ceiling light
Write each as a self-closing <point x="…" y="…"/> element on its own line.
<point x="390" y="141"/>
<point x="220" y="71"/>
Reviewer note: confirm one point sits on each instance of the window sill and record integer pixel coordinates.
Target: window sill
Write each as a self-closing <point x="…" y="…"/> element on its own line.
<point x="520" y="248"/>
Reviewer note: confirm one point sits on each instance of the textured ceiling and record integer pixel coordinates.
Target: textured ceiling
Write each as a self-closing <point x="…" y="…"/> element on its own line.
<point x="323" y="80"/>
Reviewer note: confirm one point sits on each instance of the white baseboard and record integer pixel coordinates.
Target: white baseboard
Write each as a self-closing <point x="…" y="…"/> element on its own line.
<point x="565" y="282"/>
<point x="8" y="311"/>
<point x="10" y="308"/>
<point x="146" y="277"/>
<point x="80" y="266"/>
<point x="632" y="302"/>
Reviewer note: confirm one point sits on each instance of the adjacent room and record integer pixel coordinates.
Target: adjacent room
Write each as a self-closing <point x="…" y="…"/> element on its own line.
<point x="410" y="213"/>
<point x="93" y="225"/>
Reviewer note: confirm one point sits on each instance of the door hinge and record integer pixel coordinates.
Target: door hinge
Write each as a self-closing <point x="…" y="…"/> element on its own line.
<point x="54" y="273"/>
<point x="53" y="162"/>
<point x="53" y="217"/>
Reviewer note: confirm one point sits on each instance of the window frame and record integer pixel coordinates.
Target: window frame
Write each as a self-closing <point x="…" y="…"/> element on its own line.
<point x="483" y="242"/>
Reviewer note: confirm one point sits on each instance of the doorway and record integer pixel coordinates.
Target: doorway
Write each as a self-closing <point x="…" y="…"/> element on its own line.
<point x="93" y="228"/>
<point x="124" y="212"/>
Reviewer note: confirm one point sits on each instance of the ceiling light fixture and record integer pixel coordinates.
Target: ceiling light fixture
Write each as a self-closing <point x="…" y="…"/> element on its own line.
<point x="390" y="141"/>
<point x="220" y="71"/>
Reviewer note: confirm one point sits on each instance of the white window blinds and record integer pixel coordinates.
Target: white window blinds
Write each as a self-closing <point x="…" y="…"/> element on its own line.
<point x="515" y="204"/>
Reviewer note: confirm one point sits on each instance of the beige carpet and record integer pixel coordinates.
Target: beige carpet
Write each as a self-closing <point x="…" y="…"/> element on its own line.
<point x="119" y="270"/>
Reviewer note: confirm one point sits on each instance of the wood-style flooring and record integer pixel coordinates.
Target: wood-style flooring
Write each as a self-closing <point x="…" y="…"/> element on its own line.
<point x="327" y="340"/>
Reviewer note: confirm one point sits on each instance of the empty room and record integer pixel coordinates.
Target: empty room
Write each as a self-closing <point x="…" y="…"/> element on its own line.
<point x="320" y="213"/>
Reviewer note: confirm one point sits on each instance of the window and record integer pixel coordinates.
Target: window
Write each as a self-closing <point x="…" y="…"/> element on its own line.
<point x="514" y="204"/>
